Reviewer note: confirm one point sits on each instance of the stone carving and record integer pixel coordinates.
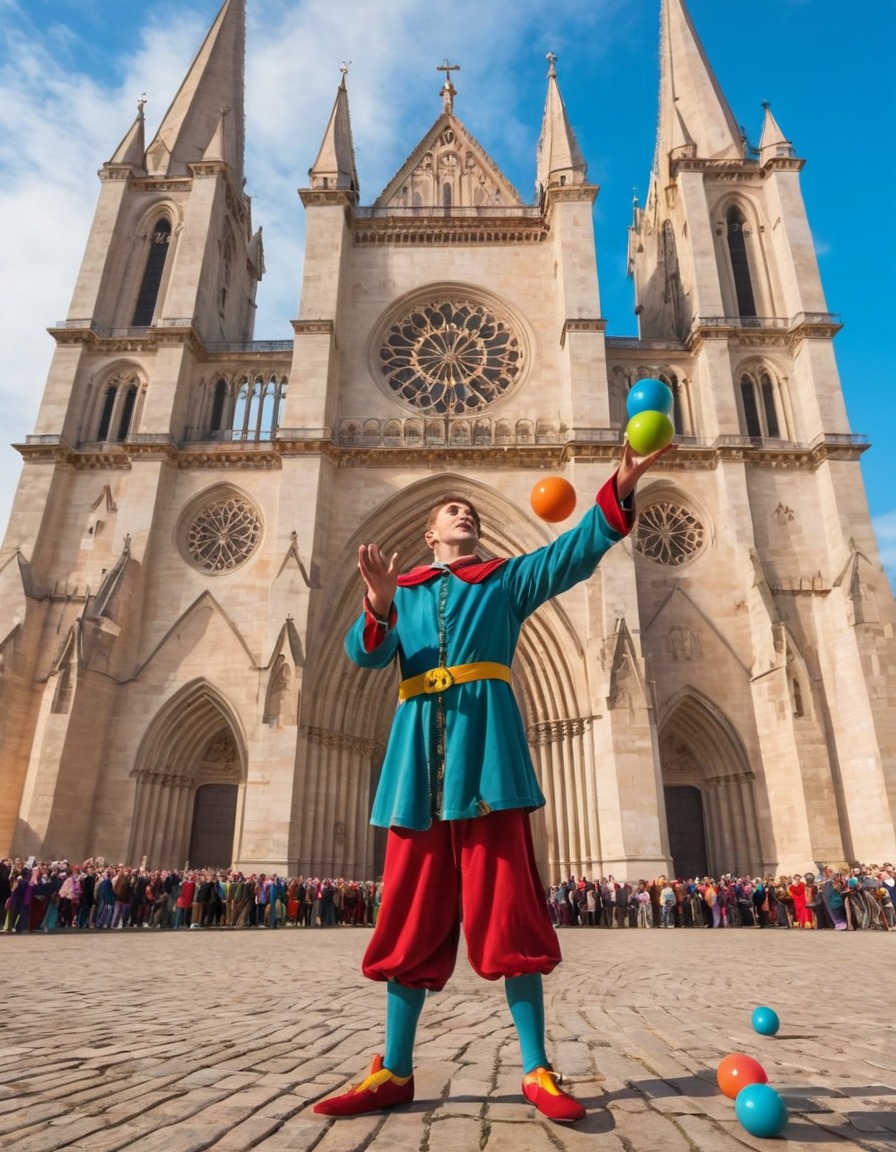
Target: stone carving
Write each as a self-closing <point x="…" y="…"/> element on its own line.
<point x="683" y="645"/>
<point x="668" y="534"/>
<point x="224" y="534"/>
<point x="451" y="357"/>
<point x="553" y="731"/>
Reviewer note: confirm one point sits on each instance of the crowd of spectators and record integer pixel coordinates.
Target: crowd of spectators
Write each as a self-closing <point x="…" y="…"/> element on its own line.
<point x="56" y="895"/>
<point x="862" y="897"/>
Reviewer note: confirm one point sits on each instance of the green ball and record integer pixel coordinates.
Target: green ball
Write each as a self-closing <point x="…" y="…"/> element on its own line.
<point x="649" y="431"/>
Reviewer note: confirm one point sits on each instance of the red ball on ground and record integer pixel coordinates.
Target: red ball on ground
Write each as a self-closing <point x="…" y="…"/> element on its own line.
<point x="553" y="499"/>
<point x="736" y="1071"/>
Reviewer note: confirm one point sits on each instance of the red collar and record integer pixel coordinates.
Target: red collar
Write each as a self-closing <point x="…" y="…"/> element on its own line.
<point x="471" y="570"/>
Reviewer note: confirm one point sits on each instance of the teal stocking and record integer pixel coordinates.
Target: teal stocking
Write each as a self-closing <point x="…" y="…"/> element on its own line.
<point x="525" y="995"/>
<point x="403" y="1007"/>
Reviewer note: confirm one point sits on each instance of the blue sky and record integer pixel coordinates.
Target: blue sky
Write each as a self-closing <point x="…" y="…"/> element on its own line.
<point x="71" y="72"/>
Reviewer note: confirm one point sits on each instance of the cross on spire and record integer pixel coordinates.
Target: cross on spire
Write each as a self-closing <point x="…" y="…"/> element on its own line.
<point x="551" y="58"/>
<point x="448" y="90"/>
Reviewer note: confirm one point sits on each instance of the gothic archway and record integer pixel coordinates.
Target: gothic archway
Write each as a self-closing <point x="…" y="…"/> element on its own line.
<point x="701" y="752"/>
<point x="193" y="743"/>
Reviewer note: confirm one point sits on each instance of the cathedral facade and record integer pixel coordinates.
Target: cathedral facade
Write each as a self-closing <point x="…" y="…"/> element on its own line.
<point x="179" y="570"/>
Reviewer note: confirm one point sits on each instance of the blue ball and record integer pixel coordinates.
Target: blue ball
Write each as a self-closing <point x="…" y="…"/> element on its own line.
<point x="765" y="1021"/>
<point x="761" y="1110"/>
<point x="649" y="396"/>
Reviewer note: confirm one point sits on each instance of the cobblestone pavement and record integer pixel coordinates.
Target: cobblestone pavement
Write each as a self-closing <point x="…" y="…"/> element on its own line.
<point x="175" y="1042"/>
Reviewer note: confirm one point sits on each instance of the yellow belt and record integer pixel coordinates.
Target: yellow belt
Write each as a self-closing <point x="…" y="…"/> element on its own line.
<point x="440" y="679"/>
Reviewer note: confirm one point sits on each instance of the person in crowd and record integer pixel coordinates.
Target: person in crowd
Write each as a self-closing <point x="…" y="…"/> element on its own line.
<point x="645" y="907"/>
<point x="591" y="912"/>
<point x="784" y="902"/>
<point x="608" y="890"/>
<point x="802" y="916"/>
<point x="886" y="893"/>
<point x="105" y="900"/>
<point x="87" y="900"/>
<point x="667" y="904"/>
<point x="760" y="905"/>
<point x="185" y="901"/>
<point x="121" y="889"/>
<point x="5" y="888"/>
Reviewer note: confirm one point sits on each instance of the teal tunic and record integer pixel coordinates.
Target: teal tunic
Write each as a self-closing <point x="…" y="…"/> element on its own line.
<point x="463" y="753"/>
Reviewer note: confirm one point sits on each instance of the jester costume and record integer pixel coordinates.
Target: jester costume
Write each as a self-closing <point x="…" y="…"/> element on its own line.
<point x="455" y="790"/>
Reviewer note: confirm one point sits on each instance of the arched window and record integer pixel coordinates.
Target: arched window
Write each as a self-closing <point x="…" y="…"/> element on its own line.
<point x="106" y="414"/>
<point x="241" y="410"/>
<point x="670" y="379"/>
<point x="117" y="412"/>
<point x="127" y="412"/>
<point x="761" y="404"/>
<point x="259" y="407"/>
<point x="217" y="416"/>
<point x="740" y="265"/>
<point x="160" y="241"/>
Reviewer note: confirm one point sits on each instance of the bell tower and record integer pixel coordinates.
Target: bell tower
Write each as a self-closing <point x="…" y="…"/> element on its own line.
<point x="169" y="274"/>
<point x="727" y="284"/>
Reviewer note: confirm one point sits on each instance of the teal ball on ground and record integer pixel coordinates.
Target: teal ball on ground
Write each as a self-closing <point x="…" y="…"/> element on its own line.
<point x="649" y="431"/>
<point x="761" y="1110"/>
<point x="765" y="1020"/>
<point x="649" y="396"/>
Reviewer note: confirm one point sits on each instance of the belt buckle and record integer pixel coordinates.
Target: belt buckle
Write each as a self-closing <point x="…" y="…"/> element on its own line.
<point x="437" y="680"/>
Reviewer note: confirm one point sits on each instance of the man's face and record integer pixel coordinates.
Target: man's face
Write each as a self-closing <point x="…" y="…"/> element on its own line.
<point x="453" y="526"/>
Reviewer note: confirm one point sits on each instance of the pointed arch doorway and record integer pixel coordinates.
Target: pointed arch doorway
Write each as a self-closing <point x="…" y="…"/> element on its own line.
<point x="190" y="772"/>
<point x="709" y="792"/>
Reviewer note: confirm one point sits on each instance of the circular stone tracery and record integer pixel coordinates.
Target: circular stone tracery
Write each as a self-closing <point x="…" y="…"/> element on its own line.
<point x="224" y="534"/>
<point x="451" y="357"/>
<point x="668" y="534"/>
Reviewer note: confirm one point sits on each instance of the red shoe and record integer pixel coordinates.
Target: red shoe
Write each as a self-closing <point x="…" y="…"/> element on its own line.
<point x="540" y="1088"/>
<point x="378" y="1091"/>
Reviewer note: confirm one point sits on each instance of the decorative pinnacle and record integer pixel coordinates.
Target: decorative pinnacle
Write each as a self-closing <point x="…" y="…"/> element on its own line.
<point x="551" y="58"/>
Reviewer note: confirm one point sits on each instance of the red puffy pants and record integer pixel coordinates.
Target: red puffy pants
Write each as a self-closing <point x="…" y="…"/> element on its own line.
<point x="482" y="869"/>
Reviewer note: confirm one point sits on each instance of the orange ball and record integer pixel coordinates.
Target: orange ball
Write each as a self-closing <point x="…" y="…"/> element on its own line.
<point x="553" y="499"/>
<point x="736" y="1071"/>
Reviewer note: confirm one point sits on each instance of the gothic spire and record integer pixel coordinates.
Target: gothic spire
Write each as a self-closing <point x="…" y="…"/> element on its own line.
<point x="131" y="152"/>
<point x="773" y="142"/>
<point x="559" y="158"/>
<point x="335" y="163"/>
<point x="694" y="119"/>
<point x="209" y="105"/>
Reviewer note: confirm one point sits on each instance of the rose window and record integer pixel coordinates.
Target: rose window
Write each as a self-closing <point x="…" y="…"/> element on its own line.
<point x="224" y="534"/>
<point x="451" y="357"/>
<point x="668" y="534"/>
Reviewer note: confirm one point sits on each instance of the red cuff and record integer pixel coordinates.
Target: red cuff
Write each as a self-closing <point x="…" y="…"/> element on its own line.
<point x="375" y="630"/>
<point x="620" y="519"/>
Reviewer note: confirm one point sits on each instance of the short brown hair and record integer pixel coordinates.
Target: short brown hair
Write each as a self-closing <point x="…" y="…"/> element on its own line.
<point x="454" y="498"/>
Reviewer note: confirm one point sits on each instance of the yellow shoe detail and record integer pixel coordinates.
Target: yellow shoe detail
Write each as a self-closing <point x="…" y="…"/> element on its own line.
<point x="545" y="1079"/>
<point x="376" y="1079"/>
